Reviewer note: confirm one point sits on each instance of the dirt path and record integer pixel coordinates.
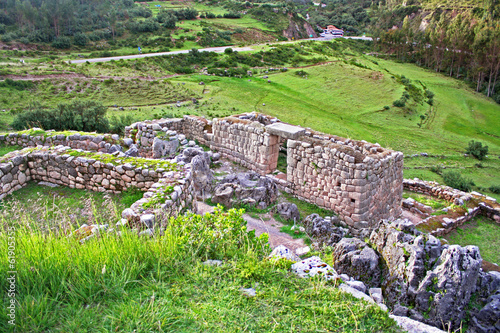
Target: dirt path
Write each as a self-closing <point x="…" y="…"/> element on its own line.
<point x="264" y="224"/>
<point x="30" y="77"/>
<point x="272" y="228"/>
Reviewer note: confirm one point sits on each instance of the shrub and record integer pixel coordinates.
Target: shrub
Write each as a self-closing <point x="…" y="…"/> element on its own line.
<point x="399" y="103"/>
<point x="477" y="150"/>
<point x="495" y="189"/>
<point x="81" y="39"/>
<point x="78" y="115"/>
<point x="117" y="124"/>
<point x="62" y="43"/>
<point x="454" y="179"/>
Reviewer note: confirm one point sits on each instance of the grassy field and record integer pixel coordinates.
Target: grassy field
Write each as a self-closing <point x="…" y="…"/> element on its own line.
<point x="481" y="232"/>
<point x="350" y="95"/>
<point x="131" y="283"/>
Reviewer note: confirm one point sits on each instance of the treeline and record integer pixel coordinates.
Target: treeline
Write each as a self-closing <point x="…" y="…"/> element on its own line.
<point x="71" y="22"/>
<point x="37" y="21"/>
<point x="464" y="46"/>
<point x="352" y="16"/>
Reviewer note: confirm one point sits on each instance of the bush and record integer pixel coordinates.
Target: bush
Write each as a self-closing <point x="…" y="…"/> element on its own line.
<point x="454" y="179"/>
<point x="62" y="43"/>
<point x="495" y="189"/>
<point x="88" y="116"/>
<point x="399" y="103"/>
<point x="81" y="39"/>
<point x="117" y="124"/>
<point x="477" y="150"/>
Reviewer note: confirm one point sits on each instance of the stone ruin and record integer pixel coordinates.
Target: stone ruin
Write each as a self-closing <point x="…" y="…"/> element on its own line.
<point x="362" y="182"/>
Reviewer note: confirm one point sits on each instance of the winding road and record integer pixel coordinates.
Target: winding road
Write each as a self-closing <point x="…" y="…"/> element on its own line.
<point x="137" y="56"/>
<point x="208" y="49"/>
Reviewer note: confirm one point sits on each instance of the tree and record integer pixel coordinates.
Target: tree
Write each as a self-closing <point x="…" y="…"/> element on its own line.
<point x="477" y="150"/>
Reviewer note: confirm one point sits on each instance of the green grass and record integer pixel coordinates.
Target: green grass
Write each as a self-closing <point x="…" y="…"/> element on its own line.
<point x="137" y="284"/>
<point x="435" y="203"/>
<point x="481" y="232"/>
<point x="7" y="149"/>
<point x="306" y="208"/>
<point x="124" y="93"/>
<point x="296" y="233"/>
<point x="63" y="206"/>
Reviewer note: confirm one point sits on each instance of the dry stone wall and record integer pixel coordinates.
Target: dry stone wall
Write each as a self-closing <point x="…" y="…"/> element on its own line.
<point x="75" y="140"/>
<point x="65" y="167"/>
<point x="476" y="204"/>
<point x="246" y="142"/>
<point x="14" y="174"/>
<point x="144" y="133"/>
<point x="362" y="185"/>
<point x="361" y="182"/>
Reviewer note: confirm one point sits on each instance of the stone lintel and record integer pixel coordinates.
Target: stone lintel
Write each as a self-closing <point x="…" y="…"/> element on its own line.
<point x="286" y="131"/>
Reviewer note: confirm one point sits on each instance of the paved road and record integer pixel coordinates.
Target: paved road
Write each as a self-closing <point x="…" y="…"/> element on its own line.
<point x="136" y="56"/>
<point x="208" y="49"/>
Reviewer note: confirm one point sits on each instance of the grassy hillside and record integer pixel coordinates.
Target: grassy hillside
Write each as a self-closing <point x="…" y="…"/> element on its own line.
<point x="130" y="283"/>
<point x="348" y="94"/>
<point x="347" y="100"/>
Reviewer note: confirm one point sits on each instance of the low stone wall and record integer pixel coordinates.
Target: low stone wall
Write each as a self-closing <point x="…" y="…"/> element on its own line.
<point x="246" y="142"/>
<point x="14" y="174"/>
<point x="362" y="185"/>
<point x="482" y="205"/>
<point x="98" y="172"/>
<point x="435" y="190"/>
<point x="197" y="128"/>
<point x="72" y="139"/>
<point x="164" y="199"/>
<point x="144" y="133"/>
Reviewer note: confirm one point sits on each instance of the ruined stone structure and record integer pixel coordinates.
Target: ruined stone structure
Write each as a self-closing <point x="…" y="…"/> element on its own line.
<point x="360" y="181"/>
<point x="75" y="140"/>
<point x="56" y="166"/>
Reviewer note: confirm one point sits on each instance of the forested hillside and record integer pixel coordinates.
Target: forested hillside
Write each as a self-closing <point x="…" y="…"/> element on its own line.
<point x="458" y="38"/>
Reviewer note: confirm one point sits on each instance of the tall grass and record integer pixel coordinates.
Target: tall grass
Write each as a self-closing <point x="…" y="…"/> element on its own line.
<point x="119" y="281"/>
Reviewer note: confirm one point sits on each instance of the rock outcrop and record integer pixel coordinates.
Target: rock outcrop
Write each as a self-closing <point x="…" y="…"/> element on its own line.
<point x="434" y="282"/>
<point x="246" y="188"/>
<point x="288" y="211"/>
<point x="324" y="230"/>
<point x="355" y="258"/>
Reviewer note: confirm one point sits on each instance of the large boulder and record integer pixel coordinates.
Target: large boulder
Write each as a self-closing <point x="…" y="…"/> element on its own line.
<point x="245" y="188"/>
<point x="323" y="230"/>
<point x="445" y="292"/>
<point x="202" y="175"/>
<point x="165" y="147"/>
<point x="355" y="258"/>
<point x="434" y="282"/>
<point x="288" y="211"/>
<point x="487" y="320"/>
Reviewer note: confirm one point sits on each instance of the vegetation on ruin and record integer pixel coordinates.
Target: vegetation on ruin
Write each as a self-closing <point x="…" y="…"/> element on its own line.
<point x="136" y="162"/>
<point x="159" y="284"/>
